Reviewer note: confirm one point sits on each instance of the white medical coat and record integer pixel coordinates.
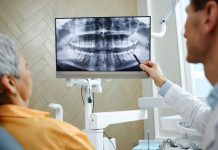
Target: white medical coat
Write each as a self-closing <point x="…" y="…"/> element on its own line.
<point x="196" y="113"/>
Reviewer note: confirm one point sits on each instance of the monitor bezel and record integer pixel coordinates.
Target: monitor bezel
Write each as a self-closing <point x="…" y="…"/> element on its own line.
<point x="100" y="74"/>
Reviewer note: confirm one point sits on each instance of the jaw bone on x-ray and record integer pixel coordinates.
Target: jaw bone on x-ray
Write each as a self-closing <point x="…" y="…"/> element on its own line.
<point x="102" y="43"/>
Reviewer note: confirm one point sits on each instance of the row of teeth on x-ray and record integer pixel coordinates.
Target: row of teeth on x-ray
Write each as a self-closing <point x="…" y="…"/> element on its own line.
<point x="118" y="55"/>
<point x="90" y="58"/>
<point x="115" y="24"/>
<point x="102" y="59"/>
<point x="92" y="46"/>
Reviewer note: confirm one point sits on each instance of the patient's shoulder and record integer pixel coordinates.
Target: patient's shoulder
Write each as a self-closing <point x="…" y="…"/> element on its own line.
<point x="62" y="126"/>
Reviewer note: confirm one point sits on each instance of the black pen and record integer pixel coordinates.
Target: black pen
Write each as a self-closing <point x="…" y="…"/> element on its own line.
<point x="136" y="58"/>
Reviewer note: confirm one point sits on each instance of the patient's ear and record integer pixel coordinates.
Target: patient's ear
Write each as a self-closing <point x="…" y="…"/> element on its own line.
<point x="8" y="83"/>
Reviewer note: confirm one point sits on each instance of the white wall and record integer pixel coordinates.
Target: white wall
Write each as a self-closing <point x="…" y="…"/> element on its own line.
<point x="164" y="50"/>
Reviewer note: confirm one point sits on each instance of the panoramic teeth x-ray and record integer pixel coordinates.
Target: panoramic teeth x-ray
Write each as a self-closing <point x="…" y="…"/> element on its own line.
<point x="102" y="43"/>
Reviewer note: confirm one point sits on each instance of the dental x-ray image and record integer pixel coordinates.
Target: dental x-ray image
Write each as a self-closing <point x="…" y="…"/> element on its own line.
<point x="102" y="43"/>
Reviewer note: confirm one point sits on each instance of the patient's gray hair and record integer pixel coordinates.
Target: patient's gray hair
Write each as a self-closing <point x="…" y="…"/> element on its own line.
<point x="9" y="57"/>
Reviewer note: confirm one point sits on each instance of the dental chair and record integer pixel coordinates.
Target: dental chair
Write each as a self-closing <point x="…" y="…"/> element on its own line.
<point x="7" y="142"/>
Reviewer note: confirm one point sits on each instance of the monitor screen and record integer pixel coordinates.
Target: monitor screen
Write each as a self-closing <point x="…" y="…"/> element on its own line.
<point x="102" y="47"/>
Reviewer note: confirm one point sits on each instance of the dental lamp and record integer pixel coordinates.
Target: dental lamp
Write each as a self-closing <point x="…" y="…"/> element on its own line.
<point x="168" y="13"/>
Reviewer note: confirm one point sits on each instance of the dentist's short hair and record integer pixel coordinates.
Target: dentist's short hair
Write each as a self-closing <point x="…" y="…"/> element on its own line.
<point x="9" y="57"/>
<point x="200" y="4"/>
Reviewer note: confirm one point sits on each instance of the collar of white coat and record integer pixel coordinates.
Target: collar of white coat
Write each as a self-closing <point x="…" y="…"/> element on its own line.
<point x="210" y="132"/>
<point x="213" y="97"/>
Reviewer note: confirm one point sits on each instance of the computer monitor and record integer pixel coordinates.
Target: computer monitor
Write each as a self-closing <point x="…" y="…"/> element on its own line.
<point x="102" y="47"/>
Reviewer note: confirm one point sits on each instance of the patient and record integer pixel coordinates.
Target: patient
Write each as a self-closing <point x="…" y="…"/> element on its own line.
<point x="33" y="129"/>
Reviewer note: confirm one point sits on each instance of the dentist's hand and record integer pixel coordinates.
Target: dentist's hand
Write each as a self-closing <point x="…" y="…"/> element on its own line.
<point x="154" y="71"/>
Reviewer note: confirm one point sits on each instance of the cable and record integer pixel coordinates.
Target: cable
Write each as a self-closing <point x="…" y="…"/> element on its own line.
<point x="170" y="11"/>
<point x="109" y="140"/>
<point x="171" y="143"/>
<point x="174" y="144"/>
<point x="93" y="104"/>
<point x="193" y="145"/>
<point x="148" y="139"/>
<point x="82" y="95"/>
<point x="91" y="98"/>
<point x="93" y="101"/>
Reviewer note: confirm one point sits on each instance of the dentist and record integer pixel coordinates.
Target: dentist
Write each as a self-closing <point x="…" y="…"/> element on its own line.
<point x="201" y="32"/>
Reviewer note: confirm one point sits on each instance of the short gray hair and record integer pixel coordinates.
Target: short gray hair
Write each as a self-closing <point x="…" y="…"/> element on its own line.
<point x="9" y="57"/>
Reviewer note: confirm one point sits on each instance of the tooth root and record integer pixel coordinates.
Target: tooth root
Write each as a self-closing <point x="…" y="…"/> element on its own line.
<point x="111" y="65"/>
<point x="93" y="60"/>
<point x="102" y="56"/>
<point x="118" y="59"/>
<point x="111" y="58"/>
<point x="122" y="57"/>
<point x="86" y="58"/>
<point x="130" y="55"/>
<point x="125" y="56"/>
<point x="79" y="58"/>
